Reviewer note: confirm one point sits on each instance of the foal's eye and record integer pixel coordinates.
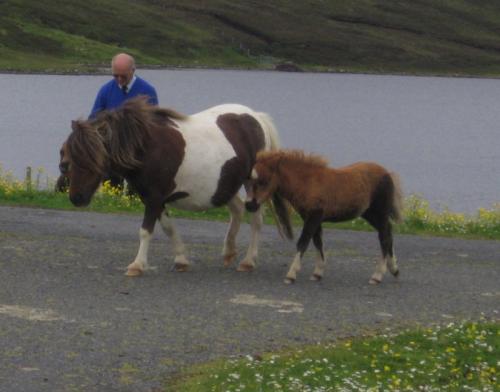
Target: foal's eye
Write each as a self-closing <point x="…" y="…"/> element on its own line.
<point x="261" y="183"/>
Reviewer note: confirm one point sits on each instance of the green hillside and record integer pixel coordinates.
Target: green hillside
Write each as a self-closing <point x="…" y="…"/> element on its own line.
<point x="413" y="36"/>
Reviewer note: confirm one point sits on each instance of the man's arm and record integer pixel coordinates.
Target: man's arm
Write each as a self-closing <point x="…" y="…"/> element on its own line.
<point x="153" y="97"/>
<point x="99" y="103"/>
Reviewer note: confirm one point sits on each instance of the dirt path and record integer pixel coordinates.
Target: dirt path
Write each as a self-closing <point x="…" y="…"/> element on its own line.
<point x="71" y="321"/>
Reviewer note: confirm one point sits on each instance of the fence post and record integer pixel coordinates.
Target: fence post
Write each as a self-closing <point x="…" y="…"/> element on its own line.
<point x="27" y="180"/>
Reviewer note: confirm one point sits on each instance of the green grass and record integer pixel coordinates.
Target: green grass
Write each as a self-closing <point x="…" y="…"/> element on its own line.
<point x="456" y="357"/>
<point x="419" y="218"/>
<point x="426" y="36"/>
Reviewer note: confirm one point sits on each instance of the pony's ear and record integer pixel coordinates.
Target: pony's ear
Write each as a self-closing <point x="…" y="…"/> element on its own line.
<point x="75" y="125"/>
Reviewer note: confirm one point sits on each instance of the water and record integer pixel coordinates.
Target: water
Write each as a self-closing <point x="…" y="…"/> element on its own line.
<point x="442" y="135"/>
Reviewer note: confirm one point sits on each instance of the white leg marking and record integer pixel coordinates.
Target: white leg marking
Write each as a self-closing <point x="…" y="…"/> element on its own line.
<point x="380" y="270"/>
<point x="291" y="276"/>
<point x="248" y="263"/>
<point x="181" y="261"/>
<point x="236" y="208"/>
<point x="393" y="264"/>
<point x="140" y="264"/>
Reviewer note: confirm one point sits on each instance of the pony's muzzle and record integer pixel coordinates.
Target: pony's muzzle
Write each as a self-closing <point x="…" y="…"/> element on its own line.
<point x="252" y="205"/>
<point x="79" y="200"/>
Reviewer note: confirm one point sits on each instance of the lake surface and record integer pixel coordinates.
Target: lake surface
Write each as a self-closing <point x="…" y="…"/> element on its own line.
<point x="442" y="135"/>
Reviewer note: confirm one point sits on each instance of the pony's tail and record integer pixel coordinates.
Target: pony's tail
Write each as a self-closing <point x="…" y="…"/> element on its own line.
<point x="281" y="213"/>
<point x="397" y="199"/>
<point x="278" y="205"/>
<point x="270" y="131"/>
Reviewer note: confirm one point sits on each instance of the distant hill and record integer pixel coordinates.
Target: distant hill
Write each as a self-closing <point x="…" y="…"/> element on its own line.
<point x="413" y="36"/>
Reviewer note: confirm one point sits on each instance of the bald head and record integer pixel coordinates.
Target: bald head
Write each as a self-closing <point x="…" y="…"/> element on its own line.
<point x="123" y="67"/>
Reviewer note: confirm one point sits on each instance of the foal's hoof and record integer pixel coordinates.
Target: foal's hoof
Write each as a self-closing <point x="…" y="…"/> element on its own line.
<point x="181" y="267"/>
<point x="374" y="281"/>
<point x="316" y="277"/>
<point x="395" y="273"/>
<point x="134" y="272"/>
<point x="289" y="280"/>
<point x="245" y="268"/>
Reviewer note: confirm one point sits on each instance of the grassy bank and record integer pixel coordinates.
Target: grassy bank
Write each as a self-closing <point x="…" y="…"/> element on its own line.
<point x="457" y="357"/>
<point x="419" y="217"/>
<point x="445" y="37"/>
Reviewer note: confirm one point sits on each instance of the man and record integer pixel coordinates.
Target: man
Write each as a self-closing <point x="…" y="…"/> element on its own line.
<point x="124" y="85"/>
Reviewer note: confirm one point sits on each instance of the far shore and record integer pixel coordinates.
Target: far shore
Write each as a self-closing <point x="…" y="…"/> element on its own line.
<point x="103" y="70"/>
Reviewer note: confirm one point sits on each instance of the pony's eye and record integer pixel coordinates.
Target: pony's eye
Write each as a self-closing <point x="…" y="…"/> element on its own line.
<point x="64" y="167"/>
<point x="262" y="183"/>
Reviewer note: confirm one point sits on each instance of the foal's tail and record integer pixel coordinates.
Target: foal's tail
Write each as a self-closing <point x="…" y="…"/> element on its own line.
<point x="270" y="131"/>
<point x="397" y="199"/>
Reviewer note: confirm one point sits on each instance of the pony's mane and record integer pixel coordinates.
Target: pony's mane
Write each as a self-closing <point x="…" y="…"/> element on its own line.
<point x="293" y="156"/>
<point x="86" y="147"/>
<point x="118" y="136"/>
<point x="125" y="132"/>
<point x="169" y="114"/>
<point x="140" y="104"/>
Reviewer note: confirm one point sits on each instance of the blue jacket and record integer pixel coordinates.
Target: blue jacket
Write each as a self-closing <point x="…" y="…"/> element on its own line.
<point x="110" y="96"/>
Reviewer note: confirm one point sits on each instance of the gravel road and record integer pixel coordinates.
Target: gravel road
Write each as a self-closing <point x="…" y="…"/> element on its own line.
<point x="71" y="321"/>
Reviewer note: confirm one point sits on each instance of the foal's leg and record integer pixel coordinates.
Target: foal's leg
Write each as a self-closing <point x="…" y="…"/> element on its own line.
<point x="388" y="250"/>
<point x="248" y="263"/>
<point x="384" y="229"/>
<point x="320" y="257"/>
<point x="181" y="262"/>
<point x="140" y="264"/>
<point x="236" y="208"/>
<point x="381" y="266"/>
<point x="388" y="258"/>
<point x="311" y="224"/>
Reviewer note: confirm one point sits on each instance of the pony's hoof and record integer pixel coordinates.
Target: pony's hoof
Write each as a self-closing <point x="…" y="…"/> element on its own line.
<point x="396" y="273"/>
<point x="228" y="260"/>
<point x="181" y="267"/>
<point x="289" y="280"/>
<point x="374" y="281"/>
<point x="245" y="268"/>
<point x="316" y="277"/>
<point x="134" y="272"/>
<point x="181" y="263"/>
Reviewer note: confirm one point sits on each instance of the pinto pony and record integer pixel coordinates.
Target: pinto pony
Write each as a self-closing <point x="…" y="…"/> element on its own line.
<point x="191" y="162"/>
<point x="319" y="193"/>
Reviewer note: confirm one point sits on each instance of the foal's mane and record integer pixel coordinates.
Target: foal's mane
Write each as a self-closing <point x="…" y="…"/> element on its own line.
<point x="292" y="157"/>
<point x="119" y="136"/>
